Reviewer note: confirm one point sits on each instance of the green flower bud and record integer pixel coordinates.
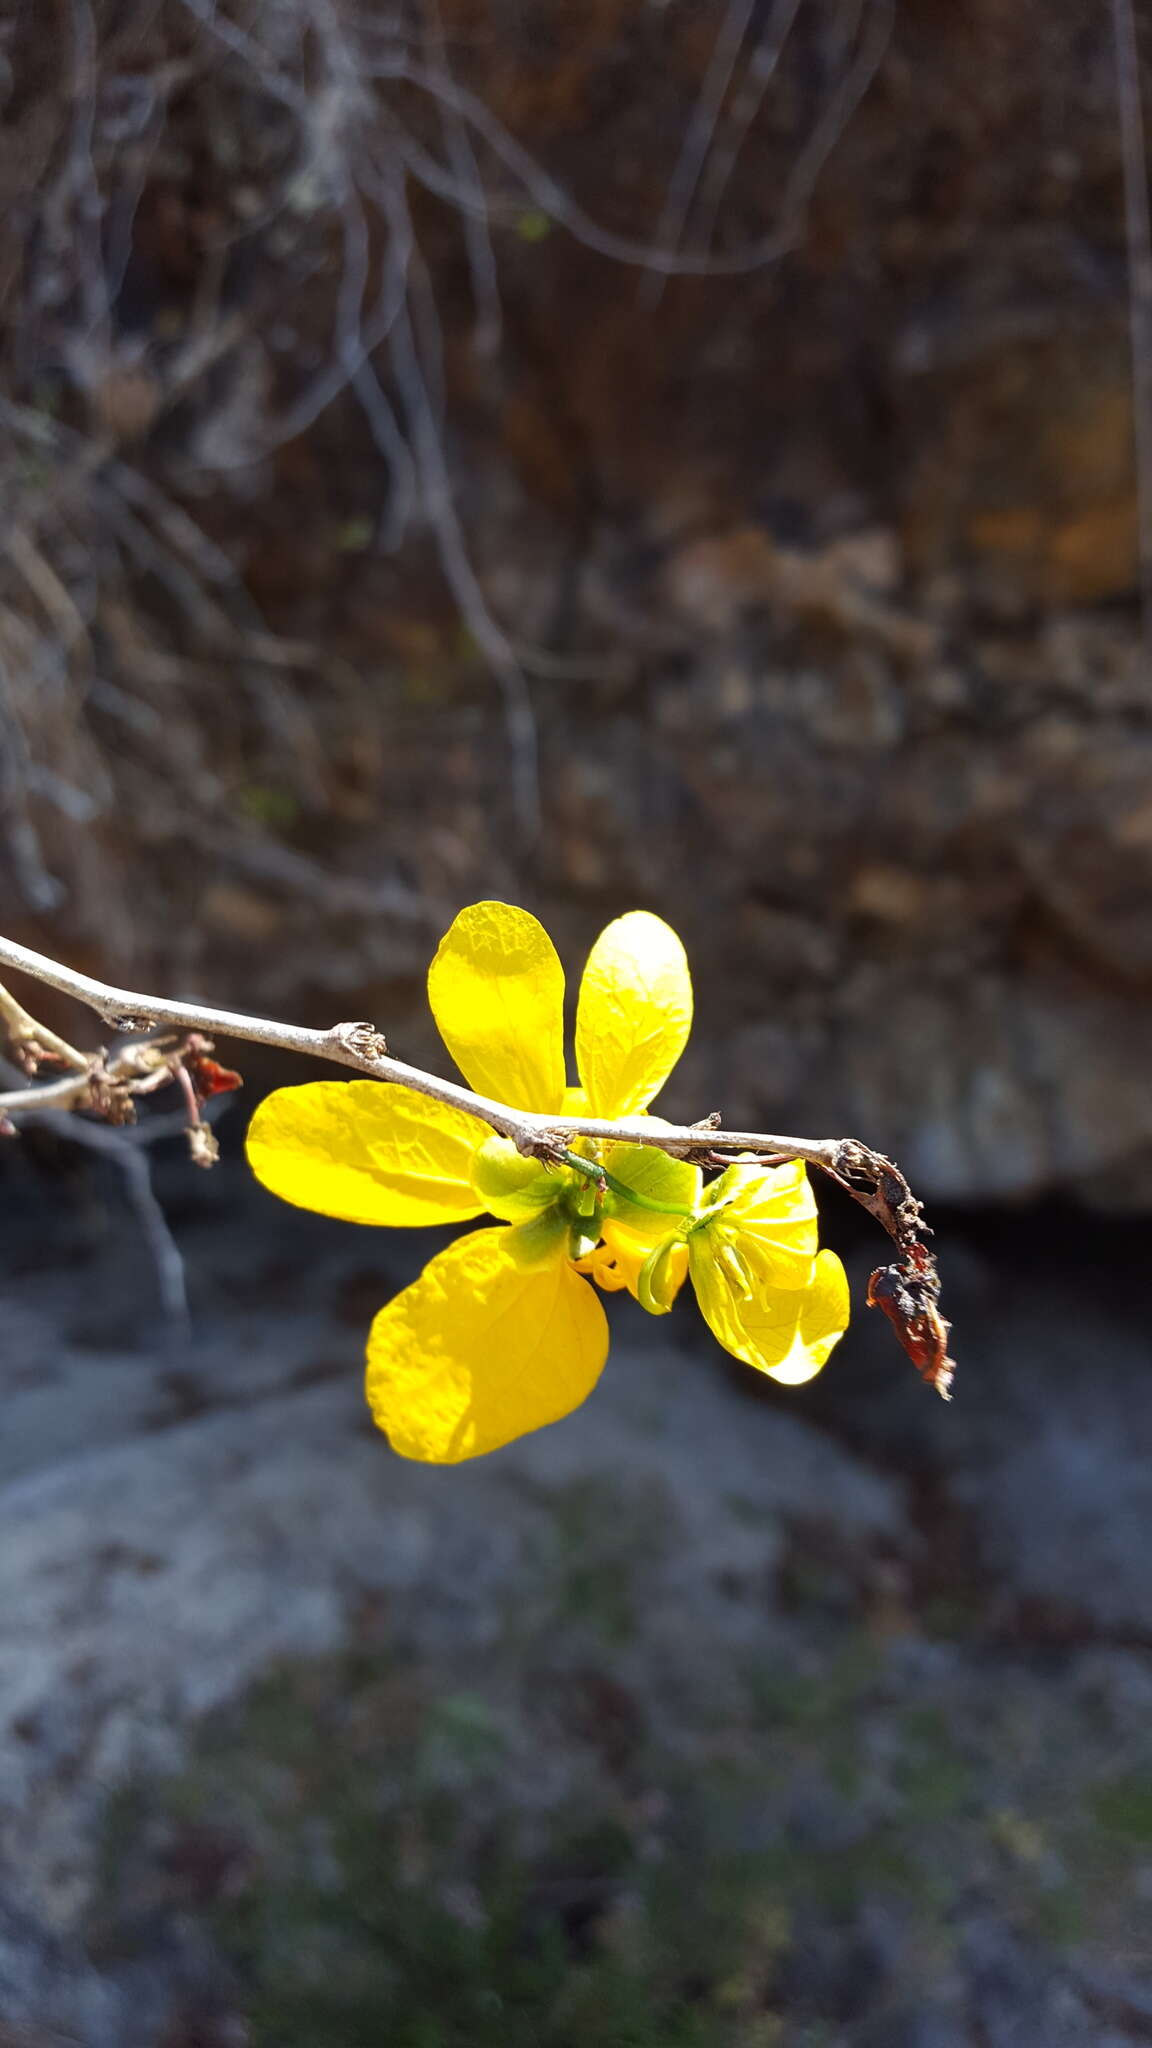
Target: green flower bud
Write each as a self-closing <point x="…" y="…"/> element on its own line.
<point x="508" y="1184"/>
<point x="658" y="1281"/>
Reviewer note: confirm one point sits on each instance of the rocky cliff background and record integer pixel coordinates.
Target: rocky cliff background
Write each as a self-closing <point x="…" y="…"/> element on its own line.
<point x="623" y="454"/>
<point x="631" y="453"/>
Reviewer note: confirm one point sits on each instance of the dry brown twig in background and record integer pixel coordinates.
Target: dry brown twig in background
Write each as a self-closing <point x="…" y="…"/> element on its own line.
<point x="338" y="120"/>
<point x="907" y="1289"/>
<point x="1138" y="234"/>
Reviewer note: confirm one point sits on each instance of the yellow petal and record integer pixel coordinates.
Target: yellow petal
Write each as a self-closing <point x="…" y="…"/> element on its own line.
<point x="620" y="1260"/>
<point x="769" y="1213"/>
<point x="480" y="1350"/>
<point x="496" y="988"/>
<point x="602" y="1266"/>
<point x="620" y="1257"/>
<point x="786" y="1332"/>
<point x="368" y="1152"/>
<point x="634" y="1014"/>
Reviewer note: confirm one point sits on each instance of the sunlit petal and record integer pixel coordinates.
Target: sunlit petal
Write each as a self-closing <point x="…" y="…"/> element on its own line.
<point x="634" y="1014"/>
<point x="602" y="1265"/>
<point x="622" y="1258"/>
<point x="496" y="988"/>
<point x="773" y="1212"/>
<point x="482" y="1349"/>
<point x="786" y="1332"/>
<point x="368" y="1152"/>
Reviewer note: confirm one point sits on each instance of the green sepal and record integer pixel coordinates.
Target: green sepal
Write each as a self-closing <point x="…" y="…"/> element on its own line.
<point x="657" y="1186"/>
<point x="582" y="1240"/>
<point x="540" y="1240"/>
<point x="509" y="1185"/>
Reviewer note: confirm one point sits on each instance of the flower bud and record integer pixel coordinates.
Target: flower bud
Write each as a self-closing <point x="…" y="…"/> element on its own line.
<point x="662" y="1275"/>
<point x="508" y="1184"/>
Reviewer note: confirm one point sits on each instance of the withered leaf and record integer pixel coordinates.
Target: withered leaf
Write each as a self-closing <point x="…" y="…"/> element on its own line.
<point x="908" y="1292"/>
<point x="209" y="1078"/>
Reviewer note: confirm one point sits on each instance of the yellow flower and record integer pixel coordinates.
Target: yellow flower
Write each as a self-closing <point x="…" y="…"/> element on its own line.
<point x="764" y="1289"/>
<point x="767" y="1293"/>
<point x="502" y="1333"/>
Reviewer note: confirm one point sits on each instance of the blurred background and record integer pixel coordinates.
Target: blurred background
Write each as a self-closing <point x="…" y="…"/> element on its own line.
<point x="665" y="453"/>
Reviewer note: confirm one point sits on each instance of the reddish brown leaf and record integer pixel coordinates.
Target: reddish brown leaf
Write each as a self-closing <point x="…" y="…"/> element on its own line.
<point x="908" y="1292"/>
<point x="209" y="1078"/>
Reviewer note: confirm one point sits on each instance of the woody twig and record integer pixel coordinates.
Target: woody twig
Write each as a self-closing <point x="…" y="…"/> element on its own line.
<point x="907" y="1290"/>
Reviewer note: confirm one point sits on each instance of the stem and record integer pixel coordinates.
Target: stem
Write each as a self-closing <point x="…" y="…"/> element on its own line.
<point x="62" y="1094"/>
<point x="24" y="1032"/>
<point x="604" y="1179"/>
<point x="362" y="1048"/>
<point x="907" y="1290"/>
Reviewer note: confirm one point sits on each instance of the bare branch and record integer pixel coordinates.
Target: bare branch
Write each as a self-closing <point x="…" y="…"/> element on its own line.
<point x="251" y="53"/>
<point x="907" y="1290"/>
<point x="553" y="199"/>
<point x="466" y="171"/>
<point x="69" y="1093"/>
<point x="1138" y="230"/>
<point x="362" y="1048"/>
<point x="746" y="105"/>
<point x="40" y="889"/>
<point x="699" y="136"/>
<point x="440" y="507"/>
<point x="32" y="1042"/>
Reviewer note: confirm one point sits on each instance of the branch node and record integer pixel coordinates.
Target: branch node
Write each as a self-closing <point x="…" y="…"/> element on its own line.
<point x="363" y="1041"/>
<point x="532" y="1142"/>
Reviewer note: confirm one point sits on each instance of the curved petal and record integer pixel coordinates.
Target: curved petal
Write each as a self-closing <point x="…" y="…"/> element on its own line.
<point x="496" y="988"/>
<point x="770" y="1213"/>
<point x="602" y="1266"/>
<point x="482" y="1349"/>
<point x="785" y="1332"/>
<point x="622" y="1257"/>
<point x="634" y="1014"/>
<point x="618" y="1260"/>
<point x="368" y="1152"/>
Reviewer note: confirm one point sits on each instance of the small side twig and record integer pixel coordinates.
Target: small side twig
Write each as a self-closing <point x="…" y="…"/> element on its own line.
<point x="31" y="1043"/>
<point x="72" y="1092"/>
